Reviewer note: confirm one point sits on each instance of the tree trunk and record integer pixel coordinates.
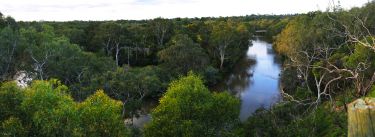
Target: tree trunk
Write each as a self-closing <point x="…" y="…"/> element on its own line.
<point x="136" y="52"/>
<point x="128" y="56"/>
<point x="6" y="71"/>
<point x="117" y="53"/>
<point x="222" y="55"/>
<point x="361" y="118"/>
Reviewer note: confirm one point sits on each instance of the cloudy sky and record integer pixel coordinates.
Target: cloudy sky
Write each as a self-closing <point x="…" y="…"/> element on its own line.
<point x="64" y="10"/>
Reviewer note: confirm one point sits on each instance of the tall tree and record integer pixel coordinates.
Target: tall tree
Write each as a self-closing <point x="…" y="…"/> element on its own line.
<point x="9" y="41"/>
<point x="112" y="37"/>
<point x="129" y="86"/>
<point x="184" y="55"/>
<point x="101" y="116"/>
<point x="227" y="37"/>
<point x="11" y="97"/>
<point x="50" y="109"/>
<point x="46" y="109"/>
<point x="162" y="29"/>
<point x="189" y="109"/>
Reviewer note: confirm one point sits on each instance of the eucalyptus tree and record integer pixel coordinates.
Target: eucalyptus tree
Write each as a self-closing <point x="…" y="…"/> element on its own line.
<point x="228" y="38"/>
<point x="188" y="108"/>
<point x="46" y="109"/>
<point x="141" y="44"/>
<point x="183" y="56"/>
<point x="9" y="47"/>
<point x="131" y="86"/>
<point x="162" y="30"/>
<point x="112" y="38"/>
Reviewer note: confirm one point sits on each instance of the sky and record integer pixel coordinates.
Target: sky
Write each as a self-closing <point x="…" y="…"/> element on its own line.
<point x="66" y="10"/>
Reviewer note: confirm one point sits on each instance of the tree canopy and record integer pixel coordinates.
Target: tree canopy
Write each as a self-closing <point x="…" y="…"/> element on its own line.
<point x="189" y="109"/>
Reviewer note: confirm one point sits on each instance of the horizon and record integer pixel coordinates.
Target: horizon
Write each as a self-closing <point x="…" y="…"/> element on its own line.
<point x="97" y="10"/>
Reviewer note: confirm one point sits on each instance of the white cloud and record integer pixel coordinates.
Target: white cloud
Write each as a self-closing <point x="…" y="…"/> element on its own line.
<point x="62" y="10"/>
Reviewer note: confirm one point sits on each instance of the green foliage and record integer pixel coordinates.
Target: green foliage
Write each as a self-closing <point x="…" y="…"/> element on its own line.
<point x="51" y="110"/>
<point x="302" y="93"/>
<point x="183" y="55"/>
<point x="361" y="54"/>
<point x="290" y="120"/>
<point x="107" y="35"/>
<point x="320" y="54"/>
<point x="372" y="92"/>
<point x="276" y="27"/>
<point x="45" y="109"/>
<point x="100" y="116"/>
<point x="11" y="97"/>
<point x="189" y="109"/>
<point x="228" y="40"/>
<point x="207" y="46"/>
<point x="9" y="53"/>
<point x="51" y="53"/>
<point x="162" y="30"/>
<point x="12" y="127"/>
<point x="211" y="75"/>
<point x="130" y="85"/>
<point x="361" y="61"/>
<point x="126" y="83"/>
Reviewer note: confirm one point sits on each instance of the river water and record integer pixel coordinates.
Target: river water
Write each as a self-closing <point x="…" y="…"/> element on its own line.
<point x="255" y="79"/>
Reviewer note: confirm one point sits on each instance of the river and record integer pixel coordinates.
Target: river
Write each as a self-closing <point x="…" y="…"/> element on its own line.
<point x="254" y="79"/>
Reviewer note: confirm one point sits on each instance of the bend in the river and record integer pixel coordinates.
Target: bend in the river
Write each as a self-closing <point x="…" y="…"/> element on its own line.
<point x="254" y="79"/>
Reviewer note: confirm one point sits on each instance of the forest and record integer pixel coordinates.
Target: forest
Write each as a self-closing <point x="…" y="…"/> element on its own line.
<point x="85" y="78"/>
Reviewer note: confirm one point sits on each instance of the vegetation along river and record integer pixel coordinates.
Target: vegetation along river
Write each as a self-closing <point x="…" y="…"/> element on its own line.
<point x="254" y="79"/>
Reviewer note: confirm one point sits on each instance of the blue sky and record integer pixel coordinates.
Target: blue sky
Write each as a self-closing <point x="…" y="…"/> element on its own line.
<point x="64" y="10"/>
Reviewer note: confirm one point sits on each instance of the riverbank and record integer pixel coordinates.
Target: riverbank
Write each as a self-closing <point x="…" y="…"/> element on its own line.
<point x="254" y="80"/>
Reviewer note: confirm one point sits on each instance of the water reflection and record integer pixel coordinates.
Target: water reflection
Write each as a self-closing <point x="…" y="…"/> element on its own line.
<point x="144" y="115"/>
<point x="255" y="79"/>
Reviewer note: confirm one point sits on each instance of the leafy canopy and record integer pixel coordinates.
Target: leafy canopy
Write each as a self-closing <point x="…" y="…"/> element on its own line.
<point x="188" y="108"/>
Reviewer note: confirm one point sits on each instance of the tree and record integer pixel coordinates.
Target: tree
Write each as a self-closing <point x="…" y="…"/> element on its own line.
<point x="183" y="55"/>
<point x="228" y="38"/>
<point x="45" y="109"/>
<point x="308" y="46"/>
<point x="101" y="116"/>
<point x="141" y="43"/>
<point x="129" y="86"/>
<point x="42" y="47"/>
<point x="85" y="69"/>
<point x="111" y="36"/>
<point x="12" y="127"/>
<point x="9" y="47"/>
<point x="162" y="29"/>
<point x="359" y="67"/>
<point x="47" y="55"/>
<point x="356" y="27"/>
<point x="11" y="114"/>
<point x="11" y="97"/>
<point x="189" y="109"/>
<point x="50" y="109"/>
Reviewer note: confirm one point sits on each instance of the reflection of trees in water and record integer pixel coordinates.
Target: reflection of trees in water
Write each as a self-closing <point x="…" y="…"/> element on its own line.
<point x="239" y="80"/>
<point x="270" y="51"/>
<point x="277" y="59"/>
<point x="148" y="105"/>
